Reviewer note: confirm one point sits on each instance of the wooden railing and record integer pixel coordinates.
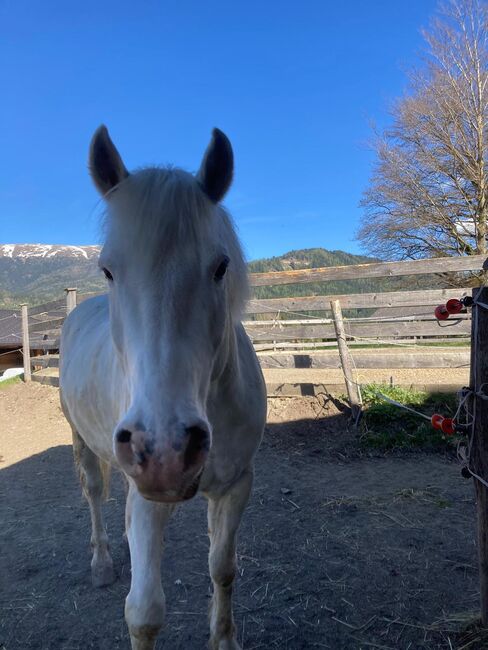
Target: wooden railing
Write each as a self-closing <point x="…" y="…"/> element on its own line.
<point x="299" y="304"/>
<point x="301" y="329"/>
<point x="290" y="321"/>
<point x="372" y="270"/>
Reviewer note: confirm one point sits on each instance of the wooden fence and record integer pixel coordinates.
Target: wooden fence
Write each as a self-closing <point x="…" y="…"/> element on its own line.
<point x="298" y="331"/>
<point x="405" y="322"/>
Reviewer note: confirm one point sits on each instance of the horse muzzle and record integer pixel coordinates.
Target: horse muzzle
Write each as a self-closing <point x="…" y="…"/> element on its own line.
<point x="166" y="474"/>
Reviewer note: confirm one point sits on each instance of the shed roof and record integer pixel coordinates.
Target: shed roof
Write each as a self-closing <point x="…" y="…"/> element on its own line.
<point x="10" y="328"/>
<point x="11" y="325"/>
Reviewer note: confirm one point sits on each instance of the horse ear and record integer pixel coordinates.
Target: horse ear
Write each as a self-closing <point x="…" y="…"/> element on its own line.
<point x="217" y="167"/>
<point x="105" y="164"/>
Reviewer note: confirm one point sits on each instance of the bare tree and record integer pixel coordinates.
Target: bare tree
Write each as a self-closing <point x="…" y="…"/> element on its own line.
<point x="428" y="193"/>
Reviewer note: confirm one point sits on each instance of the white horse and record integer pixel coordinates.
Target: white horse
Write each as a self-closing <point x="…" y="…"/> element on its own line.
<point x="159" y="378"/>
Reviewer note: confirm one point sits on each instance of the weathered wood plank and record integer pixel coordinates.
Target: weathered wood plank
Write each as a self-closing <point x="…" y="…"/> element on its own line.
<point x="46" y="361"/>
<point x="301" y="346"/>
<point x="381" y="320"/>
<point x="373" y="270"/>
<point x="353" y="392"/>
<point x="45" y="344"/>
<point x="372" y="330"/>
<point x="384" y="359"/>
<point x="48" y="380"/>
<point x="300" y="304"/>
<point x="70" y="300"/>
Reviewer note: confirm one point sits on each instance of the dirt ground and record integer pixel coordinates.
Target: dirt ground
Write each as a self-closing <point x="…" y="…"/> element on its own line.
<point x="338" y="549"/>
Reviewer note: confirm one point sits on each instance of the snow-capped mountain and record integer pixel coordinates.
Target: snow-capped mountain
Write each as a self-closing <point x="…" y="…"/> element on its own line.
<point x="47" y="251"/>
<point x="38" y="273"/>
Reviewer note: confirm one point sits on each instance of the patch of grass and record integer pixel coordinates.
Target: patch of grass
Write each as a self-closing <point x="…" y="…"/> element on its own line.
<point x="464" y="629"/>
<point x="10" y="382"/>
<point x="428" y="495"/>
<point x="386" y="426"/>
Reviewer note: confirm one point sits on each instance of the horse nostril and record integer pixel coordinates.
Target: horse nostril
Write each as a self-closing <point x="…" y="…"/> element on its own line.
<point x="198" y="441"/>
<point x="123" y="435"/>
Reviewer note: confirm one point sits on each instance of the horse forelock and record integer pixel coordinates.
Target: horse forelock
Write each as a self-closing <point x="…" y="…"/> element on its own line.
<point x="159" y="213"/>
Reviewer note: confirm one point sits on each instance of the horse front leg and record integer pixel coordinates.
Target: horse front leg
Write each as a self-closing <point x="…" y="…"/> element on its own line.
<point x="224" y="517"/>
<point x="94" y="479"/>
<point x="145" y="604"/>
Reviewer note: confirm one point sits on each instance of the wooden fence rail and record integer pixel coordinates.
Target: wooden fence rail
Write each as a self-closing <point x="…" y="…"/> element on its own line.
<point x="423" y="298"/>
<point x="372" y="270"/>
<point x="373" y="331"/>
<point x="388" y="359"/>
<point x="45" y="320"/>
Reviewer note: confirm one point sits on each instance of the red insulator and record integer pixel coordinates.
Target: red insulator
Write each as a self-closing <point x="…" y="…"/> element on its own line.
<point x="436" y="421"/>
<point x="441" y="312"/>
<point x="454" y="306"/>
<point x="448" y="426"/>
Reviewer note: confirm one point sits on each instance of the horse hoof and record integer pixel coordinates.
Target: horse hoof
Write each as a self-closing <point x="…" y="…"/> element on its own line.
<point x="103" y="575"/>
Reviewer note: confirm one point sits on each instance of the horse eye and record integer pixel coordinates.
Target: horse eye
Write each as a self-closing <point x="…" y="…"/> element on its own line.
<point x="107" y="274"/>
<point x="221" y="269"/>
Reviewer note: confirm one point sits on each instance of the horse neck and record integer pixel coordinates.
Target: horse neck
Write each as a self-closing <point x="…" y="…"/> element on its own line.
<point x="227" y="362"/>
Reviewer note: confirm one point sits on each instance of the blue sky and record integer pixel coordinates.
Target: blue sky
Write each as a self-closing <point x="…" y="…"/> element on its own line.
<point x="295" y="85"/>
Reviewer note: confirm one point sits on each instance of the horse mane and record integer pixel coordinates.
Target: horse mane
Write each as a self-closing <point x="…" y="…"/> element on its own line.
<point x="166" y="206"/>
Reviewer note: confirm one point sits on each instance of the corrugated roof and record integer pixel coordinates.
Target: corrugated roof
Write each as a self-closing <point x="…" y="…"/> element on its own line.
<point x="10" y="328"/>
<point x="11" y="325"/>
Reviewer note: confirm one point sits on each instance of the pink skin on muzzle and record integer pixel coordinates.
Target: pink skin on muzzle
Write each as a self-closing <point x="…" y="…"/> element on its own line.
<point x="170" y="473"/>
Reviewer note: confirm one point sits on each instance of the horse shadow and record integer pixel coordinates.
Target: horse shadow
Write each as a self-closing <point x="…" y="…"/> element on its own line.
<point x="46" y="593"/>
<point x="288" y="563"/>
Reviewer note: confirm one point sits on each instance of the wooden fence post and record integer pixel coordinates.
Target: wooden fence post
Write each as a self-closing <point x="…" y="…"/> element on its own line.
<point x="352" y="389"/>
<point x="479" y="443"/>
<point x="25" y="343"/>
<point x="70" y="300"/>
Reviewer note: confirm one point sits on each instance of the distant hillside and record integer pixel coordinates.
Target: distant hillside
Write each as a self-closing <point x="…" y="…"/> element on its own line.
<point x="307" y="258"/>
<point x="319" y="257"/>
<point x="36" y="273"/>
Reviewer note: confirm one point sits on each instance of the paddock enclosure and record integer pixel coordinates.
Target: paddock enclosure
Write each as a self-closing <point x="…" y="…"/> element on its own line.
<point x="341" y="546"/>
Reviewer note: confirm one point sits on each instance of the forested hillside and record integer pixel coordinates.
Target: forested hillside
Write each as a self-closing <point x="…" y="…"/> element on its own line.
<point x="35" y="274"/>
<point x="319" y="257"/>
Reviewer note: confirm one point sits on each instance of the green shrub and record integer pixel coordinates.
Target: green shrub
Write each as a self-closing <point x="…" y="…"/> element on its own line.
<point x="386" y="426"/>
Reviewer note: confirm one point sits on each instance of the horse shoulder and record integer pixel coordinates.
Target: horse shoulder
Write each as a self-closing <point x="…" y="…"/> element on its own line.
<point x="88" y="368"/>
